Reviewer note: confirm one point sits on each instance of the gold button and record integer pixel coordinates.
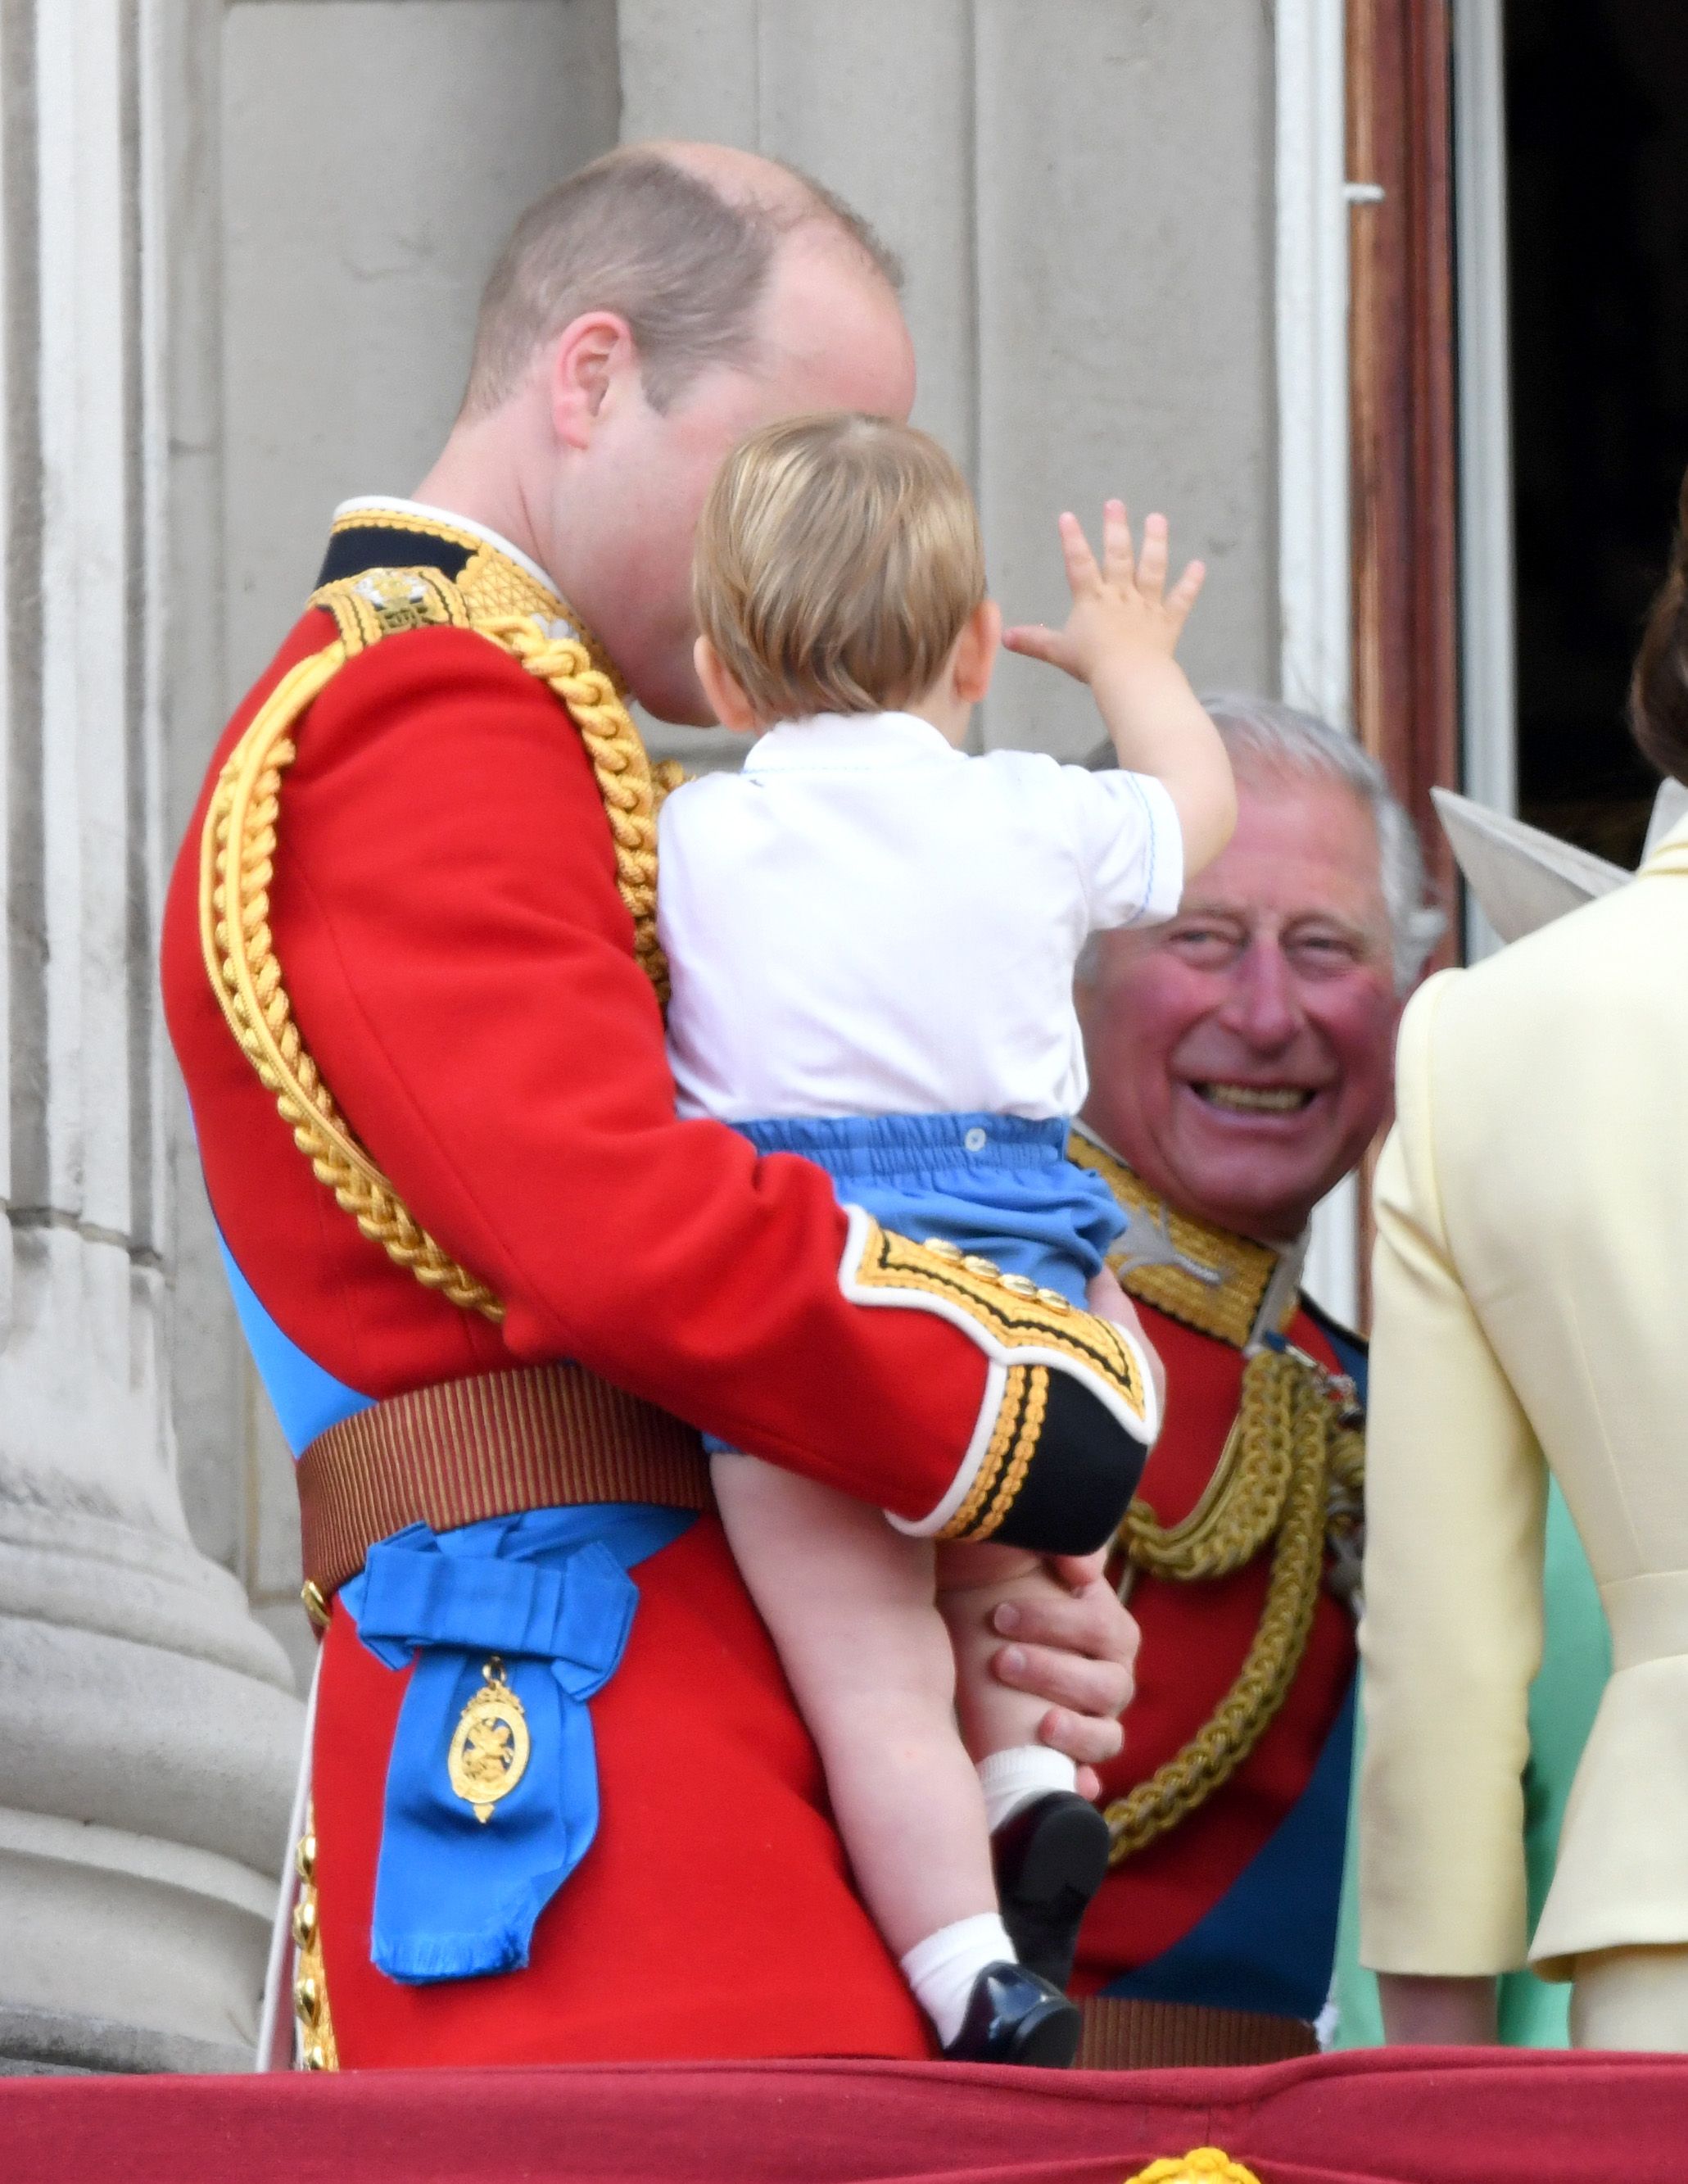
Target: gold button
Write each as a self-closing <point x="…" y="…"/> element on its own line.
<point x="1054" y="1300"/>
<point x="1021" y="1285"/>
<point x="304" y="1923"/>
<point x="306" y="1998"/>
<point x="986" y="1269"/>
<point x="304" y="1857"/>
<point x="316" y="1605"/>
<point x="941" y="1248"/>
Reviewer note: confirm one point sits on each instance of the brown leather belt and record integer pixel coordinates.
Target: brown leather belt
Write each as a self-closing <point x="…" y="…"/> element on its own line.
<point x="543" y="1437"/>
<point x="1121" y="2033"/>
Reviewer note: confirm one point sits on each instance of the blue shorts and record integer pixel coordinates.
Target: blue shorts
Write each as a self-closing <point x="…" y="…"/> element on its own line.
<point x="997" y="1184"/>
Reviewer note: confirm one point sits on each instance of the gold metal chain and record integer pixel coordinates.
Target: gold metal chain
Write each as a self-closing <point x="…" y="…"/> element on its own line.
<point x="237" y="866"/>
<point x="1293" y="1450"/>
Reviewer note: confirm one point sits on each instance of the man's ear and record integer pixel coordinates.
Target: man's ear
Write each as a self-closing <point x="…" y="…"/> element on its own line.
<point x="727" y="701"/>
<point x="591" y="356"/>
<point x="976" y="652"/>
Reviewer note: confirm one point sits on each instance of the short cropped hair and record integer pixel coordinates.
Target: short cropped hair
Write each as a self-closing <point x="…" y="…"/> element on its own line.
<point x="838" y="560"/>
<point x="1278" y="738"/>
<point x="635" y="234"/>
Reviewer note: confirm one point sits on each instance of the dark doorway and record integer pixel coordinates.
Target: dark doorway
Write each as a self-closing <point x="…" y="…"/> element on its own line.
<point x="1598" y="154"/>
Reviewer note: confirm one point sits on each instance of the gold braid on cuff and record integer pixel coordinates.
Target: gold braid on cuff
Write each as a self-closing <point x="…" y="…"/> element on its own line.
<point x="237" y="863"/>
<point x="1292" y="1471"/>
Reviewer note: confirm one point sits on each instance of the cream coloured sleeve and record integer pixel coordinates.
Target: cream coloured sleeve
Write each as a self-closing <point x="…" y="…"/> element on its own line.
<point x="1456" y="1493"/>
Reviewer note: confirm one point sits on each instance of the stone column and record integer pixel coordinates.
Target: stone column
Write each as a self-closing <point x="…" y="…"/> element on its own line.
<point x="150" y="1728"/>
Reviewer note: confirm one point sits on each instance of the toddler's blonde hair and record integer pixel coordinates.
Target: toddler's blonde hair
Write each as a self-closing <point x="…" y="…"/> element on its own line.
<point x="839" y="558"/>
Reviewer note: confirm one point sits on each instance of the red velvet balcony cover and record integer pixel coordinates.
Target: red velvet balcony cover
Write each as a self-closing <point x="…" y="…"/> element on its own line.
<point x="1473" y="2117"/>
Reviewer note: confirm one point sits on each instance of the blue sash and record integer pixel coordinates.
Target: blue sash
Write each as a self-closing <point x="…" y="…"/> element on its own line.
<point x="548" y="1593"/>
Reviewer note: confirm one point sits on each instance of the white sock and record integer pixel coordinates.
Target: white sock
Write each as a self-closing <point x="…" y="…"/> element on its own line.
<point x="942" y="1968"/>
<point x="1015" y="1779"/>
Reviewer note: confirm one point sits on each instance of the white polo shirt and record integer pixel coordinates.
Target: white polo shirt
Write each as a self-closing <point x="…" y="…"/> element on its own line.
<point x="866" y="921"/>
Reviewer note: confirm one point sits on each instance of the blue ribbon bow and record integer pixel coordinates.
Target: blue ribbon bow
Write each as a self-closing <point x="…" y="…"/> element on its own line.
<point x="547" y="1592"/>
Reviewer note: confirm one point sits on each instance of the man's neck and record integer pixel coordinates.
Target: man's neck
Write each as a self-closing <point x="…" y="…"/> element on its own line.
<point x="1253" y="1233"/>
<point x="474" y="477"/>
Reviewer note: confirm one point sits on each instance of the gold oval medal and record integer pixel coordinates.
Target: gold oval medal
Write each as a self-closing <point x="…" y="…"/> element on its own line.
<point x="490" y="1745"/>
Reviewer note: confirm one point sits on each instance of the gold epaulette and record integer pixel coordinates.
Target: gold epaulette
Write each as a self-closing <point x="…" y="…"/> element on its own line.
<point x="238" y="846"/>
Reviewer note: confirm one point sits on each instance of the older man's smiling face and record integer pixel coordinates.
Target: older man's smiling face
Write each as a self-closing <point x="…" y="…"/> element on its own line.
<point x="1241" y="1057"/>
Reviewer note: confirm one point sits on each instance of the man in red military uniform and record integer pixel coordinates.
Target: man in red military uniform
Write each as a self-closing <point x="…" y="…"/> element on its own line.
<point x="1240" y="1061"/>
<point x="563" y="1807"/>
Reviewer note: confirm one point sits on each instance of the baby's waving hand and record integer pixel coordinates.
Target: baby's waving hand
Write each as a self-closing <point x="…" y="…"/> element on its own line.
<point x="1120" y="638"/>
<point x="1122" y="606"/>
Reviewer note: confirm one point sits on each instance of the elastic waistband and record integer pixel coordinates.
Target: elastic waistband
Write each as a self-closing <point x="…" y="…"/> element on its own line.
<point x="895" y="1144"/>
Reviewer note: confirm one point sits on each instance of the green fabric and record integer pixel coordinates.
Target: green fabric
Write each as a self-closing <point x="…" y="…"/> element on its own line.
<point x="1576" y="1660"/>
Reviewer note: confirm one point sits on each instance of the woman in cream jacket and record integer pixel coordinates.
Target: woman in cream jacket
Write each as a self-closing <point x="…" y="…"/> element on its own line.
<point x="1532" y="1316"/>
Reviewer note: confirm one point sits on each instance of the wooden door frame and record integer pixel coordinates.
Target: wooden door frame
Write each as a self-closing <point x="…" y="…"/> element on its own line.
<point x="1403" y="413"/>
<point x="1404" y="457"/>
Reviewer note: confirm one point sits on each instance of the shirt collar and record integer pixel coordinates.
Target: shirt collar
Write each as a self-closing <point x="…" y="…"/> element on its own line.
<point x="1212" y="1279"/>
<point x="849" y="742"/>
<point x="366" y="504"/>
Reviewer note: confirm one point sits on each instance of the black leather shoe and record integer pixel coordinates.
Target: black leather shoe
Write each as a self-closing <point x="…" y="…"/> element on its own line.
<point x="1051" y="1859"/>
<point x="1014" y="2017"/>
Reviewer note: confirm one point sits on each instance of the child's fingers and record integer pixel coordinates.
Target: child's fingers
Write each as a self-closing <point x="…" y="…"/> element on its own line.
<point x="1082" y="573"/>
<point x="1037" y="642"/>
<point x="1151" y="563"/>
<point x="1119" y="559"/>
<point x="1184" y="592"/>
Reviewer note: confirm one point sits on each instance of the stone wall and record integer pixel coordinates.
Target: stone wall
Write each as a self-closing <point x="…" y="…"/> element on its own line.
<point x="150" y="1727"/>
<point x="1082" y="192"/>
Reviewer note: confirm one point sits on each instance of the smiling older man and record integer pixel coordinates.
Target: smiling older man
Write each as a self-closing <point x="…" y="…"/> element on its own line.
<point x="1240" y="1062"/>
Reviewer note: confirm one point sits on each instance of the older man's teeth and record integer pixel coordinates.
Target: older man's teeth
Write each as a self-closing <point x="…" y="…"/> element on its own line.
<point x="1256" y="1099"/>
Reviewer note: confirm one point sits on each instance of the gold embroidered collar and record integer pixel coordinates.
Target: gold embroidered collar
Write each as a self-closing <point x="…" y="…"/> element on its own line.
<point x="495" y="578"/>
<point x="1219" y="1283"/>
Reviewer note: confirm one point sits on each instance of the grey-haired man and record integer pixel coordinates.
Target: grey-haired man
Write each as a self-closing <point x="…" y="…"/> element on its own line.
<point x="1240" y="1061"/>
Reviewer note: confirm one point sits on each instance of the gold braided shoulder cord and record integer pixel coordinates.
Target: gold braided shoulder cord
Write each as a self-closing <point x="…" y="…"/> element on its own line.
<point x="1292" y="1451"/>
<point x="236" y="866"/>
<point x="632" y="788"/>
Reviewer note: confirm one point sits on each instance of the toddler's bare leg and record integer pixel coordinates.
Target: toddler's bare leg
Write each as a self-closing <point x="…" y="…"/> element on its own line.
<point x="974" y="1581"/>
<point x="848" y="1602"/>
<point x="1050" y="1849"/>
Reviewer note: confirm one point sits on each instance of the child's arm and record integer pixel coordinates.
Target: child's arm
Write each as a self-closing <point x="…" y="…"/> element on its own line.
<point x="1120" y="638"/>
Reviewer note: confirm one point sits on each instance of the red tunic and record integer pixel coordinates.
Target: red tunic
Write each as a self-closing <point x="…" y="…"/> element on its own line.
<point x="1236" y="1905"/>
<point x="1194" y="1638"/>
<point x="460" y="965"/>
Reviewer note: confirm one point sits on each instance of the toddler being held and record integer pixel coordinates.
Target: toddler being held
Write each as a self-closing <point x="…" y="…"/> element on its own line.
<point x="872" y="938"/>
